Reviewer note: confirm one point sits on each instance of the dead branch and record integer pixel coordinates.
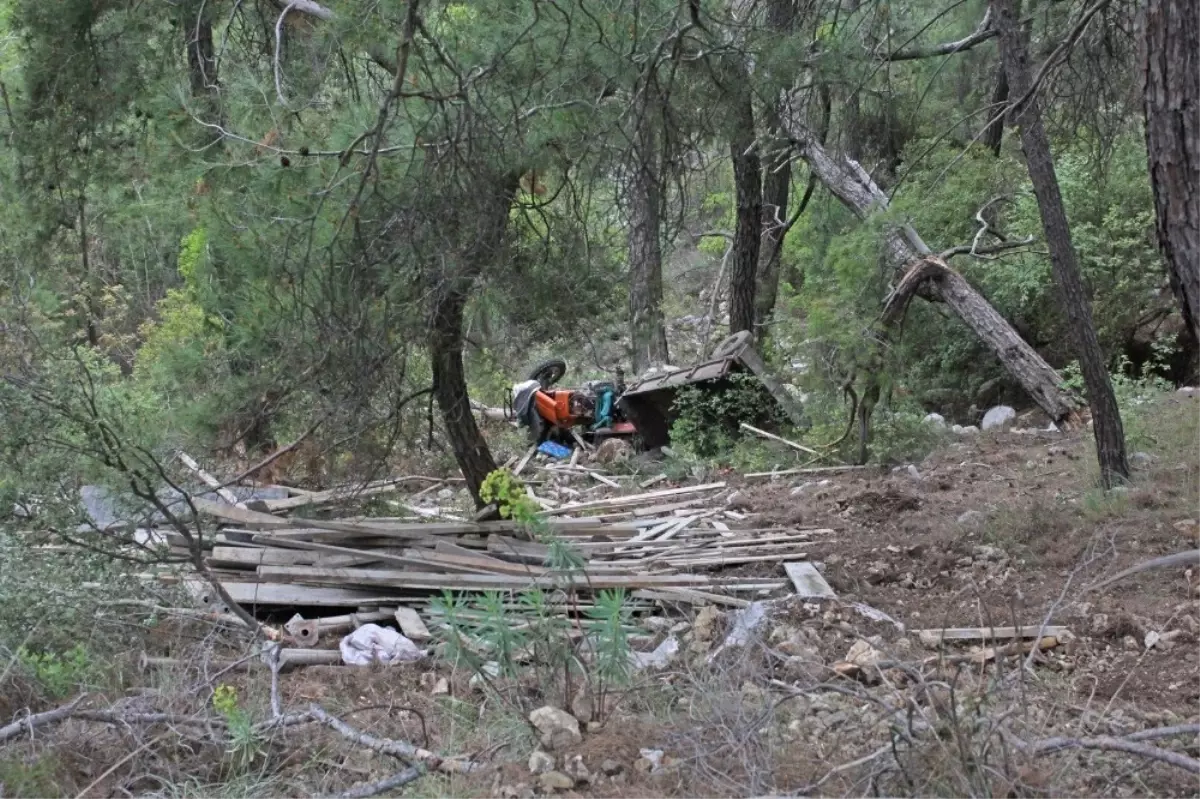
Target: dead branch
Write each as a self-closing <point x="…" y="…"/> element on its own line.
<point x="1190" y="557"/>
<point x="388" y="746"/>
<point x="1110" y="743"/>
<point x="981" y="34"/>
<point x="410" y="774"/>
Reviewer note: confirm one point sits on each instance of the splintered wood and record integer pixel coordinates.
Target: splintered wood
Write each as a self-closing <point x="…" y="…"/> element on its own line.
<point x="673" y="544"/>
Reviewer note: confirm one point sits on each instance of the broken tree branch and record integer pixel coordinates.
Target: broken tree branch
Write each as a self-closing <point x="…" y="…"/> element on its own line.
<point x="851" y="184"/>
<point x="1110" y="743"/>
<point x="981" y="34"/>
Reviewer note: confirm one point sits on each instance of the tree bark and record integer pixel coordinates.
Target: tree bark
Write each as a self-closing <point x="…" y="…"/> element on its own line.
<point x="648" y="334"/>
<point x="993" y="134"/>
<point x="747" y="186"/>
<point x="849" y="182"/>
<point x="1106" y="417"/>
<point x="489" y="210"/>
<point x="1171" y="89"/>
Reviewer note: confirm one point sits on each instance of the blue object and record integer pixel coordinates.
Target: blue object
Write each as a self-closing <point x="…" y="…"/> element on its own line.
<point x="604" y="407"/>
<point x="554" y="450"/>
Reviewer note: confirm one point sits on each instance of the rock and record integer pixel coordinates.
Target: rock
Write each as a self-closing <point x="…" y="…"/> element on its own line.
<point x="1141" y="460"/>
<point x="1099" y="623"/>
<point x="576" y="770"/>
<point x="972" y="519"/>
<point x="657" y="624"/>
<point x="555" y="781"/>
<point x="738" y="501"/>
<point x="913" y="472"/>
<point x="863" y="653"/>
<point x="445" y="493"/>
<point x="540" y="762"/>
<point x="1000" y="417"/>
<point x="559" y="728"/>
<point x="964" y="430"/>
<point x="611" y="768"/>
<point x="650" y="762"/>
<point x="660" y="658"/>
<point x="613" y="450"/>
<point x="441" y="687"/>
<point x="519" y="791"/>
<point x="935" y="419"/>
<point x="801" y="489"/>
<point x="582" y="707"/>
<point x="986" y="552"/>
<point x="704" y="627"/>
<point x="1189" y="391"/>
<point x="490" y="669"/>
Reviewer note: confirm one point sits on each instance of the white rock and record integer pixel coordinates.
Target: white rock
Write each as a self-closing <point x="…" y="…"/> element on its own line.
<point x="660" y="658"/>
<point x="935" y="419"/>
<point x="489" y="670"/>
<point x="801" y="489"/>
<point x="540" y="762"/>
<point x="445" y="493"/>
<point x="576" y="770"/>
<point x="972" y="519"/>
<point x="1190" y="391"/>
<point x="559" y="728"/>
<point x="998" y="418"/>
<point x="913" y="472"/>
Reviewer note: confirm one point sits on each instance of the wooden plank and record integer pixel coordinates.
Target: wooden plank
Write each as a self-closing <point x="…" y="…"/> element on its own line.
<point x="807" y="470"/>
<point x="780" y="439"/>
<point x="524" y="460"/>
<point x="390" y="578"/>
<point x="255" y="593"/>
<point x="634" y="499"/>
<point x="336" y="494"/>
<point x="934" y="637"/>
<point x="411" y="624"/>
<point x="790" y="405"/>
<point x="251" y="557"/>
<point x="658" y="478"/>
<point x="690" y="595"/>
<point x="808" y="581"/>
<point x="240" y="516"/>
<point x="210" y="481"/>
<point x="725" y="560"/>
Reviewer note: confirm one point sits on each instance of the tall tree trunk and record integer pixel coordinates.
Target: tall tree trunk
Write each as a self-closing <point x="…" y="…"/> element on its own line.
<point x="1172" y="104"/>
<point x="747" y="186"/>
<point x="488" y="209"/>
<point x="993" y="134"/>
<point x="851" y="184"/>
<point x="777" y="184"/>
<point x="648" y="334"/>
<point x="1106" y="417"/>
<point x="195" y="22"/>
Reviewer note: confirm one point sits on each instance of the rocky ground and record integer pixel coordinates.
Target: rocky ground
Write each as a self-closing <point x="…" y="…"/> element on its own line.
<point x="845" y="696"/>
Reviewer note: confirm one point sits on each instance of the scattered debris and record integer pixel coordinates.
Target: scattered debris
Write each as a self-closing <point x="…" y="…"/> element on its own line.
<point x="374" y="644"/>
<point x="808" y="581"/>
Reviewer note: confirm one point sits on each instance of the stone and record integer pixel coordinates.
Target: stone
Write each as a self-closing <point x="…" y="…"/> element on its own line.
<point x="445" y="493"/>
<point x="662" y="656"/>
<point x="489" y="670"/>
<point x="801" y="489"/>
<point x="738" y="501"/>
<point x="441" y="687"/>
<point x="1141" y="460"/>
<point x="651" y="760"/>
<point x="999" y="417"/>
<point x="540" y="762"/>
<point x="913" y="472"/>
<point x="576" y="770"/>
<point x="582" y="707"/>
<point x="704" y="627"/>
<point x="935" y="419"/>
<point x="657" y="624"/>
<point x="559" y="729"/>
<point x="611" y="768"/>
<point x="987" y="552"/>
<point x="863" y="653"/>
<point x="1189" y="391"/>
<point x="613" y="450"/>
<point x="972" y="519"/>
<point x="555" y="781"/>
<point x="964" y="430"/>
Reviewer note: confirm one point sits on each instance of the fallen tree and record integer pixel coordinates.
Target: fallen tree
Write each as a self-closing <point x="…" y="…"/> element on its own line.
<point x="907" y="253"/>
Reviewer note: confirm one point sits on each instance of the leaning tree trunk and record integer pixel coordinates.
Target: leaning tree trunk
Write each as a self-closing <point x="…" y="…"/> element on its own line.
<point x="747" y="187"/>
<point x="488" y="211"/>
<point x="1106" y="417"/>
<point x="850" y="183"/>
<point x="1172" y="105"/>
<point x="648" y="334"/>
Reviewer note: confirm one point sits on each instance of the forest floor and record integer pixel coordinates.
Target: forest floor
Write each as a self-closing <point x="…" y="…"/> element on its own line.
<point x="992" y="530"/>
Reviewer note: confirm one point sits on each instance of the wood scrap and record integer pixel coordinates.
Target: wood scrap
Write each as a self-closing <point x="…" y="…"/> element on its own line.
<point x="780" y="439"/>
<point x="933" y="638"/>
<point x="521" y="464"/>
<point x="210" y="481"/>
<point x="411" y="624"/>
<point x="635" y="499"/>
<point x="806" y="470"/>
<point x="808" y="581"/>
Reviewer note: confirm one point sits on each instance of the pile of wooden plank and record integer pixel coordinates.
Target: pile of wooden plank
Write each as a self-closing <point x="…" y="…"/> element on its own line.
<point x="672" y="544"/>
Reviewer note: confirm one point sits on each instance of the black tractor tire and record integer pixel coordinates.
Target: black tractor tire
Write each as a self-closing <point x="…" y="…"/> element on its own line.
<point x="549" y="372"/>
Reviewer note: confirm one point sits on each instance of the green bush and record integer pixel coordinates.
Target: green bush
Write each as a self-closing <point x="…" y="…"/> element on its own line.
<point x="707" y="419"/>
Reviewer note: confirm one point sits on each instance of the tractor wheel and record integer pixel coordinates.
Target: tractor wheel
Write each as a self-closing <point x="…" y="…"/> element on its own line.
<point x="549" y="372"/>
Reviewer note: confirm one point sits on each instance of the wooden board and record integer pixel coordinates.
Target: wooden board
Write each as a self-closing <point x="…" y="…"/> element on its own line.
<point x="633" y="499"/>
<point x="934" y="637"/>
<point x="391" y="578"/>
<point x="411" y="624"/>
<point x="808" y="581"/>
<point x="250" y="593"/>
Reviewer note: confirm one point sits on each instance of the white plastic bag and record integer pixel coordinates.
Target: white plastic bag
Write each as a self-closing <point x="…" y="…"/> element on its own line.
<point x="374" y="644"/>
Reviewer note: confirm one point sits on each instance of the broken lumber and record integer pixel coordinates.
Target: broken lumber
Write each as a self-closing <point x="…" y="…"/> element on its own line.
<point x="411" y="624"/>
<point x="773" y="437"/>
<point x="210" y="481"/>
<point x="808" y="582"/>
<point x="634" y="499"/>
<point x="933" y="638"/>
<point x="806" y="470"/>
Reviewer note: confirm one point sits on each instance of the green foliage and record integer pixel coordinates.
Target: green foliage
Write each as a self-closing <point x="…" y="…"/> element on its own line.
<point x="707" y="419"/>
<point x="245" y="744"/>
<point x="60" y="674"/>
<point x="37" y="775"/>
<point x="508" y="492"/>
